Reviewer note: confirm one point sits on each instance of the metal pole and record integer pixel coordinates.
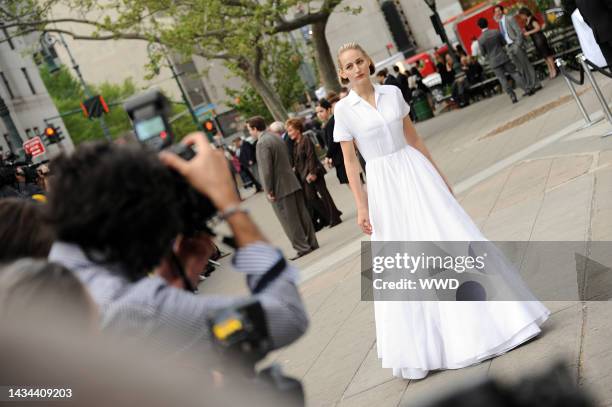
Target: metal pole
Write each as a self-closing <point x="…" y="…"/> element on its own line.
<point x="604" y="105"/>
<point x="442" y="34"/>
<point x="175" y="75"/>
<point x="587" y="120"/>
<point x="88" y="94"/>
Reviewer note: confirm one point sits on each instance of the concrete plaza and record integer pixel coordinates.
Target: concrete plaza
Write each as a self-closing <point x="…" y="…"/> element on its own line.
<point x="524" y="172"/>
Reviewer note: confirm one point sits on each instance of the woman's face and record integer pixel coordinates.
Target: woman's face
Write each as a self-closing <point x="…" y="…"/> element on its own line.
<point x="354" y="66"/>
<point x="322" y="114"/>
<point x="293" y="133"/>
<point x="449" y="59"/>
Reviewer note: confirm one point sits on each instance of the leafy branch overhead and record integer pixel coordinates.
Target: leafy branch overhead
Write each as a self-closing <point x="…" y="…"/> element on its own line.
<point x="236" y="31"/>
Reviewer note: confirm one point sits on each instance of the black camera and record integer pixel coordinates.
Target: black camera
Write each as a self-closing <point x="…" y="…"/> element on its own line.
<point x="239" y="333"/>
<point x="149" y="113"/>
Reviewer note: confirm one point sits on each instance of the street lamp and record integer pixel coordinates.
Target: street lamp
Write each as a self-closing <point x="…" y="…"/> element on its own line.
<point x="51" y="40"/>
<point x="439" y="27"/>
<point x="161" y="49"/>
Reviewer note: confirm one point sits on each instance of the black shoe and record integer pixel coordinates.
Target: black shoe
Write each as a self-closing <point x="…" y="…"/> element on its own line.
<point x="537" y="88"/>
<point x="513" y="97"/>
<point x="335" y="223"/>
<point x="301" y="254"/>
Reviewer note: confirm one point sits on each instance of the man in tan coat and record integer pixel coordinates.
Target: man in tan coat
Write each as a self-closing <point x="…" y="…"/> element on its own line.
<point x="283" y="188"/>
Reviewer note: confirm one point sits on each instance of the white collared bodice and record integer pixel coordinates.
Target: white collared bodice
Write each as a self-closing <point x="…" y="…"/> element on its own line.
<point x="378" y="131"/>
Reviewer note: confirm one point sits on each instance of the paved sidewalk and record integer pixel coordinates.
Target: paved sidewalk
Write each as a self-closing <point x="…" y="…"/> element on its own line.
<point x="554" y="184"/>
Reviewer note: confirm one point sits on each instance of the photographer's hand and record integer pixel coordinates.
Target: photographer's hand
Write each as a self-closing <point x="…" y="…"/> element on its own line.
<point x="207" y="172"/>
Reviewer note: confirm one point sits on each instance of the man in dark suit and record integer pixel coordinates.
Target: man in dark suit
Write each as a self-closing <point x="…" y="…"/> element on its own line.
<point x="384" y="78"/>
<point x="283" y="188"/>
<point x="598" y="15"/>
<point x="246" y="156"/>
<point x="491" y="45"/>
<point x="278" y="129"/>
<point x="515" y="40"/>
<point x="402" y="80"/>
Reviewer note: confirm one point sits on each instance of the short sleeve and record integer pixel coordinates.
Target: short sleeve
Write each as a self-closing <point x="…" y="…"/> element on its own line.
<point x="341" y="131"/>
<point x="404" y="107"/>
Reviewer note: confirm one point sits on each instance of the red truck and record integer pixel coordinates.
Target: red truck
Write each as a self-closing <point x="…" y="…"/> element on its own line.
<point x="465" y="24"/>
<point x="466" y="29"/>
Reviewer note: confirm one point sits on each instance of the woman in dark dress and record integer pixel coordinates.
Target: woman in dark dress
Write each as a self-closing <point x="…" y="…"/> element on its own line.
<point x="533" y="29"/>
<point x="334" y="156"/>
<point x="311" y="174"/>
<point x="446" y="73"/>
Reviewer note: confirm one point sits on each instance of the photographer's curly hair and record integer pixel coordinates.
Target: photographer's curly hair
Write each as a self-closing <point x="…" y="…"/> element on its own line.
<point x="118" y="203"/>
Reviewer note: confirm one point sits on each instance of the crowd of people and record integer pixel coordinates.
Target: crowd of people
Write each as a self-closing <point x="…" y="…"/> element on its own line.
<point x="112" y="250"/>
<point x="103" y="241"/>
<point x="23" y="179"/>
<point x="503" y="50"/>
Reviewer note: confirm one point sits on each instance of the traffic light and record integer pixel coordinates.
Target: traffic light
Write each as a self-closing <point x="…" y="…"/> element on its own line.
<point x="210" y="127"/>
<point x="95" y="106"/>
<point x="52" y="134"/>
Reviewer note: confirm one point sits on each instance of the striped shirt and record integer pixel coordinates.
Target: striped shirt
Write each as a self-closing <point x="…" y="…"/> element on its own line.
<point x="176" y="320"/>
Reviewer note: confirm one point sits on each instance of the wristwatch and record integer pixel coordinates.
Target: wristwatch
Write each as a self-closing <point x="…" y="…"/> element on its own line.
<point x="231" y="210"/>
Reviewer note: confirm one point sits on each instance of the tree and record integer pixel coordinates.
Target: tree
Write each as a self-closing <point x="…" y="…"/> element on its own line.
<point x="235" y="31"/>
<point x="281" y="67"/>
<point x="318" y="17"/>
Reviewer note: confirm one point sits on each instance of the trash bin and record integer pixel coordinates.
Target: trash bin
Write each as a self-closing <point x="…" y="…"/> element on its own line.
<point x="422" y="110"/>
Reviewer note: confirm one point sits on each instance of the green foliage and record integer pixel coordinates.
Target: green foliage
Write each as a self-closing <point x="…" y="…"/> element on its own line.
<point x="184" y="124"/>
<point x="67" y="94"/>
<point x="239" y="32"/>
<point x="249" y="103"/>
<point x="281" y="67"/>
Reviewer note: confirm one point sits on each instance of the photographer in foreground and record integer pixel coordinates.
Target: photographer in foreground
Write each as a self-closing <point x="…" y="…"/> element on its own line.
<point x="117" y="216"/>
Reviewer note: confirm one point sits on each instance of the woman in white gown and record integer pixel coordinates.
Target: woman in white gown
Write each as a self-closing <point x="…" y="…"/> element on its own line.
<point x="408" y="199"/>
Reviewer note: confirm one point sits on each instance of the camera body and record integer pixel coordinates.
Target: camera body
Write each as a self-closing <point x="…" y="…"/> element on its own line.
<point x="239" y="332"/>
<point x="149" y="113"/>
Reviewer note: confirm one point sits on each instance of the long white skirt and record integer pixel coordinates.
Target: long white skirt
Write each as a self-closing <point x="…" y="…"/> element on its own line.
<point x="408" y="201"/>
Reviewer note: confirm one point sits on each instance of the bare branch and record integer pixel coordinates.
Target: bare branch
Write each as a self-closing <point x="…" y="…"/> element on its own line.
<point x="240" y="3"/>
<point x="211" y="55"/>
<point x="258" y="60"/>
<point x="52" y="21"/>
<point x="117" y="36"/>
<point x="330" y="5"/>
<point x="322" y="14"/>
<point x="224" y="56"/>
<point x="301" y="21"/>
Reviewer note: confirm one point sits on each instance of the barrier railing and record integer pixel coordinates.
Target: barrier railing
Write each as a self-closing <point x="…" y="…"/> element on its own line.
<point x="586" y="68"/>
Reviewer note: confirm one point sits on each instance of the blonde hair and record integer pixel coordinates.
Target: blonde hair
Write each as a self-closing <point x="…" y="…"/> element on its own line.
<point x="352" y="46"/>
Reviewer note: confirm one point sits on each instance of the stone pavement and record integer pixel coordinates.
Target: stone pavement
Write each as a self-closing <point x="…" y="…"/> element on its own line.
<point x="539" y="180"/>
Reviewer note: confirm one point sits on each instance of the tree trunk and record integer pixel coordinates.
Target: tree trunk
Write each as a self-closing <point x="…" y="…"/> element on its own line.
<point x="267" y="93"/>
<point x="325" y="61"/>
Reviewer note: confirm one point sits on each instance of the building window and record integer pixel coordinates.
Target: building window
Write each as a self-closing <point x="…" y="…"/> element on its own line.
<point x="27" y="77"/>
<point x="6" y="85"/>
<point x="7" y="35"/>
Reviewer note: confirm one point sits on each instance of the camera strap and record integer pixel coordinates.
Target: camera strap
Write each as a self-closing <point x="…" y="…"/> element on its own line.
<point x="181" y="272"/>
<point x="270" y="275"/>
